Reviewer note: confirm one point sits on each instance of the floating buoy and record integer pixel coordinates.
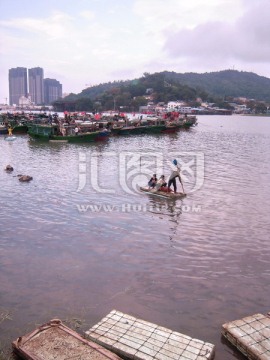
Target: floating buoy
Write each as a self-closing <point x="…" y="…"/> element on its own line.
<point x="25" y="178"/>
<point x="9" y="168"/>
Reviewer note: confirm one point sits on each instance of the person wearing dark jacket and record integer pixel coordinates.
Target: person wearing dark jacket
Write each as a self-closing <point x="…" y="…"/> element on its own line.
<point x="174" y="175"/>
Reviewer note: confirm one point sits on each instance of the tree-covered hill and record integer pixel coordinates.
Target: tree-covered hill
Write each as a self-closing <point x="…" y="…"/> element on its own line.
<point x="130" y="95"/>
<point x="168" y="86"/>
<point x="230" y="83"/>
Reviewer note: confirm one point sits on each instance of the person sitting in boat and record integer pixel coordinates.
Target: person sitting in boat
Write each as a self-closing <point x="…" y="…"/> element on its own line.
<point x="174" y="175"/>
<point x="161" y="184"/>
<point x="152" y="182"/>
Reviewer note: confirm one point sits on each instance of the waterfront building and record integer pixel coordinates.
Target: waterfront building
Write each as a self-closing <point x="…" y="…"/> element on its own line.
<point x="36" y="86"/>
<point x="25" y="102"/>
<point x="17" y="79"/>
<point x="52" y="90"/>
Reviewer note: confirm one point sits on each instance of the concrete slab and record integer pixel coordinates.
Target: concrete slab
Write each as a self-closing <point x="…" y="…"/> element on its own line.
<point x="250" y="335"/>
<point x="137" y="339"/>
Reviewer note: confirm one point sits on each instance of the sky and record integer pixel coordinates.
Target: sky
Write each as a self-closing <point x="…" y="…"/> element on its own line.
<point x="82" y="43"/>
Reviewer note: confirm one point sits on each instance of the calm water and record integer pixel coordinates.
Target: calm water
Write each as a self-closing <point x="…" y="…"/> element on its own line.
<point x="189" y="265"/>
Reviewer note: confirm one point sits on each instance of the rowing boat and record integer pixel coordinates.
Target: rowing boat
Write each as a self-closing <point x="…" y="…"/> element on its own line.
<point x="164" y="194"/>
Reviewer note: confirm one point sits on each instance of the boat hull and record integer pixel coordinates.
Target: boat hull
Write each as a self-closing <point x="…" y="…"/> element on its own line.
<point x="139" y="130"/>
<point x="20" y="129"/>
<point x="45" y="133"/>
<point x="163" y="194"/>
<point x="3" y="131"/>
<point x="170" y="130"/>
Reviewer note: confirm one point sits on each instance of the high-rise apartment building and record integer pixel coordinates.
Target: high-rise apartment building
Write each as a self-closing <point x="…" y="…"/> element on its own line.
<point x="17" y="78"/>
<point x="52" y="90"/>
<point x="41" y="91"/>
<point x="36" y="86"/>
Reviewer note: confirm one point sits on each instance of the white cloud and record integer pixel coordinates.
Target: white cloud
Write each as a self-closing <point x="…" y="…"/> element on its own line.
<point x="245" y="39"/>
<point x="125" y="39"/>
<point x="89" y="15"/>
<point x="54" y="27"/>
<point x="177" y="14"/>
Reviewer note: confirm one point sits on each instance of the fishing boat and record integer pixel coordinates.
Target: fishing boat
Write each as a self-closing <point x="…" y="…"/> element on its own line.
<point x="184" y="122"/>
<point x="153" y="126"/>
<point x="15" y="121"/>
<point x="163" y="194"/>
<point x="53" y="132"/>
<point x="187" y="121"/>
<point x="19" y="128"/>
<point x="128" y="130"/>
<point x="3" y="129"/>
<point x="170" y="129"/>
<point x="143" y="129"/>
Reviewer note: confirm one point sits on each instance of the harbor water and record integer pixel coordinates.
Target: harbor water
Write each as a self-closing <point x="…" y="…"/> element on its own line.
<point x="80" y="239"/>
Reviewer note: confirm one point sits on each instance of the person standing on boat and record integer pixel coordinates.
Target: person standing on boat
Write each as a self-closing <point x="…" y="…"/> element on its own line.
<point x="76" y="130"/>
<point x="174" y="175"/>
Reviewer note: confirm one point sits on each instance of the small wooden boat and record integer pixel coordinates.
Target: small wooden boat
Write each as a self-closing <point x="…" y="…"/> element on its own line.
<point x="54" y="340"/>
<point x="164" y="194"/>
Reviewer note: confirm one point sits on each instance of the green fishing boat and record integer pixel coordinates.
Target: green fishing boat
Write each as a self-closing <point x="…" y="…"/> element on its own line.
<point x="19" y="128"/>
<point x="153" y="127"/>
<point x="68" y="134"/>
<point x="187" y="121"/>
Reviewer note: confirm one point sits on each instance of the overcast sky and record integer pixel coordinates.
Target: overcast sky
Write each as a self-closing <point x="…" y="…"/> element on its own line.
<point x="87" y="42"/>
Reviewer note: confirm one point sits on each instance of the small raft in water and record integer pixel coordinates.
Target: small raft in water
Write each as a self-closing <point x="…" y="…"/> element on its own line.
<point x="164" y="194"/>
<point x="10" y="138"/>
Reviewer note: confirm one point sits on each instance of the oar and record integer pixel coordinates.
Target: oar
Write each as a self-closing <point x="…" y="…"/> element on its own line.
<point x="181" y="184"/>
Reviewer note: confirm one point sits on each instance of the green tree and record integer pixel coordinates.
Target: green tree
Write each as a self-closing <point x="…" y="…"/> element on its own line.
<point x="84" y="104"/>
<point x="260" y="108"/>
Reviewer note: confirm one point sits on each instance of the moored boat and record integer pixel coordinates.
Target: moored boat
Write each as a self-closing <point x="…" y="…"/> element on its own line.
<point x="19" y="128"/>
<point x="129" y="130"/>
<point x="3" y="130"/>
<point x="52" y="132"/>
<point x="187" y="121"/>
<point x="170" y="129"/>
<point x="140" y="127"/>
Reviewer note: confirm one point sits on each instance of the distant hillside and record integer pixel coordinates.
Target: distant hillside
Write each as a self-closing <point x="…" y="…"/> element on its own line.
<point x="230" y="83"/>
<point x="216" y="87"/>
<point x="226" y="83"/>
